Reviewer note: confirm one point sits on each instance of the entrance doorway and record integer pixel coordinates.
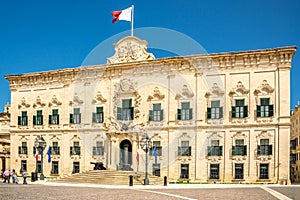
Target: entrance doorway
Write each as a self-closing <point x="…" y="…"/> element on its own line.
<point x="125" y="156"/>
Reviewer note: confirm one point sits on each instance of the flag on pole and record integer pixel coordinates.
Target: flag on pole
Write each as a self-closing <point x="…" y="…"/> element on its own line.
<point x="122" y="15"/>
<point x="49" y="154"/>
<point x="155" y="154"/>
<point x="36" y="154"/>
<point x="137" y="157"/>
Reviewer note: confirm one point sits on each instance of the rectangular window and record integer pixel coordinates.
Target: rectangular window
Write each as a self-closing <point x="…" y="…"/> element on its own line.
<point x="264" y="109"/>
<point x="76" y="167"/>
<point x="98" y="116"/>
<point x="75" y="118"/>
<point x="38" y="118"/>
<point x="75" y="149"/>
<point x="54" y="169"/>
<point x="23" y="165"/>
<point x="184" y="172"/>
<point x="214" y="149"/>
<point x="126" y="113"/>
<point x="184" y="149"/>
<point x="264" y="171"/>
<point x="215" y="111"/>
<point x="98" y="150"/>
<point x="214" y="171"/>
<point x="55" y="149"/>
<point x="264" y="148"/>
<point x="23" y="148"/>
<point x="239" y="149"/>
<point x="23" y="119"/>
<point x="185" y="113"/>
<point x="239" y="110"/>
<point x="157" y="113"/>
<point x="156" y="169"/>
<point x="54" y="118"/>
<point x="239" y="171"/>
<point x="158" y="148"/>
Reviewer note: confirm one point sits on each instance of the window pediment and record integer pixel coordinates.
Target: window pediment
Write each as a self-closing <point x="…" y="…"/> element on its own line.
<point x="99" y="98"/>
<point x="264" y="89"/>
<point x="54" y="101"/>
<point x="23" y="103"/>
<point x="185" y="94"/>
<point x="157" y="95"/>
<point x="240" y="90"/>
<point x="38" y="103"/>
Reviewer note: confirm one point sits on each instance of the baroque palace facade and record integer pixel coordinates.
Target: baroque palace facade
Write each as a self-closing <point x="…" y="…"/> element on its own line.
<point x="295" y="145"/>
<point x="221" y="117"/>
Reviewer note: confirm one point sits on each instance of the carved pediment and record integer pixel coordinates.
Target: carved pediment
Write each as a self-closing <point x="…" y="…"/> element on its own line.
<point x="54" y="101"/>
<point x="214" y="136"/>
<point x="23" y="103"/>
<point x="216" y="91"/>
<point x="185" y="94"/>
<point x="130" y="49"/>
<point x="75" y="138"/>
<point x="264" y="89"/>
<point x="157" y="95"/>
<point x="263" y="134"/>
<point x="185" y="136"/>
<point x="38" y="102"/>
<point x="238" y="135"/>
<point x="240" y="90"/>
<point x="126" y="86"/>
<point x="99" y="98"/>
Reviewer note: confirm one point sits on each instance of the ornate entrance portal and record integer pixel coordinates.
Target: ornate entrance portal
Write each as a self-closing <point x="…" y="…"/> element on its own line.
<point x="125" y="156"/>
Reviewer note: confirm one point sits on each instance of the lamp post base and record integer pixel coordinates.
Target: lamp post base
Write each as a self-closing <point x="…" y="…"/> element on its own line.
<point x="146" y="181"/>
<point x="42" y="177"/>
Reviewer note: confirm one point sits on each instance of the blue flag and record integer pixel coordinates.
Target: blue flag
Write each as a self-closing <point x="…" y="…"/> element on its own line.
<point x="155" y="154"/>
<point x="49" y="155"/>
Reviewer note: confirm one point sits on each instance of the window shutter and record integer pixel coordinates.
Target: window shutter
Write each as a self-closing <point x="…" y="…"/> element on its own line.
<point x="270" y="150"/>
<point x="190" y="151"/>
<point x="179" y="114"/>
<point x="258" y="150"/>
<point x="245" y="150"/>
<point x="233" y="150"/>
<point x="57" y="119"/>
<point x="34" y="120"/>
<point x="208" y="113"/>
<point x="20" y="149"/>
<point x="79" y="118"/>
<point x="131" y="112"/>
<point x="71" y="119"/>
<point x="71" y="150"/>
<point x="245" y="111"/>
<point x="258" y="113"/>
<point x="50" y="119"/>
<point x="119" y="113"/>
<point x="271" y="110"/>
<point x="94" y="151"/>
<point x="233" y="112"/>
<point x="220" y="150"/>
<point x="221" y="112"/>
<point x="161" y="115"/>
<point x="190" y="113"/>
<point x="94" y="118"/>
<point x="209" y="150"/>
<point x="179" y="151"/>
<point x="19" y="120"/>
<point x="150" y="115"/>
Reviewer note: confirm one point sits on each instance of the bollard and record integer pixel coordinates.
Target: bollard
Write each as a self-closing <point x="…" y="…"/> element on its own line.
<point x="165" y="181"/>
<point x="130" y="180"/>
<point x="33" y="176"/>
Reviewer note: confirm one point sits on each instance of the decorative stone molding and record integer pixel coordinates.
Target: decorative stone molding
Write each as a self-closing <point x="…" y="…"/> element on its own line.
<point x="239" y="135"/>
<point x="54" y="101"/>
<point x="215" y="136"/>
<point x="23" y="104"/>
<point x="157" y="137"/>
<point x="263" y="134"/>
<point x="38" y="103"/>
<point x="215" y="91"/>
<point x="184" y="136"/>
<point x="264" y="89"/>
<point x="184" y="159"/>
<point x="76" y="100"/>
<point x="157" y="95"/>
<point x="54" y="138"/>
<point x="99" y="99"/>
<point x="76" y="138"/>
<point x="240" y="90"/>
<point x="185" y="94"/>
<point x="214" y="159"/>
<point x="264" y="158"/>
<point x="99" y="138"/>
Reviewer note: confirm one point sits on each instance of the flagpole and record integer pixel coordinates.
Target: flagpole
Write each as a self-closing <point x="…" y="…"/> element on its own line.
<point x="132" y="15"/>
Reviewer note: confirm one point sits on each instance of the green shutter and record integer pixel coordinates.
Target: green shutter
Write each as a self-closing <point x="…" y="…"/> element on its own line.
<point x="258" y="149"/>
<point x="190" y="113"/>
<point x="179" y="151"/>
<point x="161" y="115"/>
<point x="208" y="113"/>
<point x="233" y="112"/>
<point x="119" y="113"/>
<point x="258" y="113"/>
<point x="221" y="112"/>
<point x="151" y="115"/>
<point x="50" y="117"/>
<point x="270" y="150"/>
<point x="209" y="150"/>
<point x="245" y="111"/>
<point x="220" y="150"/>
<point x="19" y="120"/>
<point x="271" y="110"/>
<point x="245" y="150"/>
<point x="34" y="120"/>
<point x="179" y="114"/>
<point x="57" y="118"/>
<point x="94" y="117"/>
<point x="233" y="151"/>
<point x="79" y="118"/>
<point x="71" y="119"/>
<point x="131" y="112"/>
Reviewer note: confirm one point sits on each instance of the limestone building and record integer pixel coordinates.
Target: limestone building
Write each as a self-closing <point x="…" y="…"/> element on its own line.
<point x="5" y="139"/>
<point x="294" y="145"/>
<point x="220" y="117"/>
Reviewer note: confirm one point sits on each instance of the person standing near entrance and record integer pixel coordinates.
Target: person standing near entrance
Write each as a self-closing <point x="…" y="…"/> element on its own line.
<point x="6" y="176"/>
<point x="25" y="174"/>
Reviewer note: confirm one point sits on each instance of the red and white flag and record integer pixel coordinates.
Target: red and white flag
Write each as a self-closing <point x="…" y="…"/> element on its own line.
<point x="36" y="154"/>
<point x="122" y="15"/>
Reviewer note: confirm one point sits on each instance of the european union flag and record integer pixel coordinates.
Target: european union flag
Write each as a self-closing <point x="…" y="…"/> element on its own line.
<point x="49" y="155"/>
<point x="155" y="154"/>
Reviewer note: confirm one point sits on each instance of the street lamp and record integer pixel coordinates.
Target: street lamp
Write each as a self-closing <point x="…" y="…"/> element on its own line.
<point x="146" y="144"/>
<point x="40" y="143"/>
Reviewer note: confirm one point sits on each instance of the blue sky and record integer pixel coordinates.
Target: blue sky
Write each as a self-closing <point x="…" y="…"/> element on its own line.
<point x="41" y="35"/>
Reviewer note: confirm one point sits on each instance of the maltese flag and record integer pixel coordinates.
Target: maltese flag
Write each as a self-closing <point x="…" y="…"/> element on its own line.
<point x="36" y="154"/>
<point x="122" y="15"/>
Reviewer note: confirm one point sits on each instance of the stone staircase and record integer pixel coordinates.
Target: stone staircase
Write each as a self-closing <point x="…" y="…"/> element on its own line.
<point x="109" y="177"/>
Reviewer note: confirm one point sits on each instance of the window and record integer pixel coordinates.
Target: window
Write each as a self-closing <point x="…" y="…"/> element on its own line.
<point x="264" y="171"/>
<point x="157" y="113"/>
<point x="214" y="149"/>
<point x="38" y="118"/>
<point x="239" y="171"/>
<point x="264" y="148"/>
<point x="239" y="149"/>
<point x="156" y="169"/>
<point x="98" y="150"/>
<point x="76" y="167"/>
<point x="23" y="148"/>
<point x="23" y="119"/>
<point x="54" y="118"/>
<point x="75" y="149"/>
<point x="264" y="109"/>
<point x="75" y="118"/>
<point x="184" y="172"/>
<point x="239" y="110"/>
<point x="98" y="115"/>
<point x="55" y="149"/>
<point x="158" y="147"/>
<point x="126" y="112"/>
<point x="215" y="111"/>
<point x="185" y="113"/>
<point x="23" y="165"/>
<point x="214" y="171"/>
<point x="54" y="169"/>
<point x="184" y="149"/>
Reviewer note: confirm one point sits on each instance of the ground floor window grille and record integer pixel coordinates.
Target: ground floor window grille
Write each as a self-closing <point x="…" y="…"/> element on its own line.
<point x="239" y="171"/>
<point x="156" y="169"/>
<point x="76" y="167"/>
<point x="214" y="171"/>
<point x="264" y="171"/>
